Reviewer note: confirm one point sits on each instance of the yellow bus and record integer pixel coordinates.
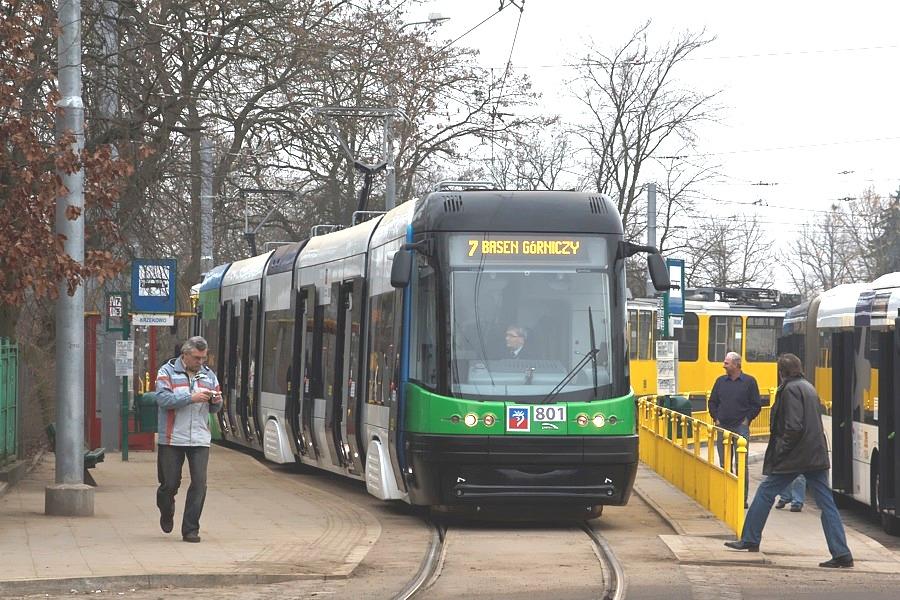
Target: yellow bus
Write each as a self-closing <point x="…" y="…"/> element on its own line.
<point x="716" y="321"/>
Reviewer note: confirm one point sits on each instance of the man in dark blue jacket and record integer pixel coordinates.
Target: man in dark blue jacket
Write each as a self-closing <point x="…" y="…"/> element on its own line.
<point x="797" y="445"/>
<point x="733" y="404"/>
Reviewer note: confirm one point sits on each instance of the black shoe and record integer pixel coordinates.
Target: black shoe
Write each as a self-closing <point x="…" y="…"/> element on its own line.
<point x="780" y="504"/>
<point x="841" y="562"/>
<point x="166" y="523"/>
<point x="796" y="507"/>
<point x="742" y="545"/>
<point x="191" y="537"/>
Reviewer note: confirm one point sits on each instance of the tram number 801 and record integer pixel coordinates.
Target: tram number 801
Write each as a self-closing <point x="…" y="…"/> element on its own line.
<point x="550" y="413"/>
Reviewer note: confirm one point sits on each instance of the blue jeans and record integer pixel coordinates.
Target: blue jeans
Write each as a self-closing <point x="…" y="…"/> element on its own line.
<point x="743" y="431"/>
<point x="795" y="492"/>
<point x="818" y="484"/>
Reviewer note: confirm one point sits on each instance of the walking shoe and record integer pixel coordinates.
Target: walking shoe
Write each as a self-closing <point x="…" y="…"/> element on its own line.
<point x="191" y="537"/>
<point x="780" y="504"/>
<point x="841" y="562"/>
<point x="742" y="545"/>
<point x="166" y="523"/>
<point x="796" y="507"/>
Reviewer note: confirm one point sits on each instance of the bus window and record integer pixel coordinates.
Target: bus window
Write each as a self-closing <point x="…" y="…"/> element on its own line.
<point x="824" y="358"/>
<point x="724" y="337"/>
<point x="762" y="338"/>
<point x="688" y="337"/>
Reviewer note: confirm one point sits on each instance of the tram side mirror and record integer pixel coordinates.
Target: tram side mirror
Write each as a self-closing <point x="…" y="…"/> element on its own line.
<point x="401" y="270"/>
<point x="659" y="274"/>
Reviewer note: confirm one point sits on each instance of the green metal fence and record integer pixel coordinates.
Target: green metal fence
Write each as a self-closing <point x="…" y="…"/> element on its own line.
<point x="9" y="399"/>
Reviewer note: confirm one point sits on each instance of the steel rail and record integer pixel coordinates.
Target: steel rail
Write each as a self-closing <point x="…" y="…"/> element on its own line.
<point x="430" y="568"/>
<point x="614" y="584"/>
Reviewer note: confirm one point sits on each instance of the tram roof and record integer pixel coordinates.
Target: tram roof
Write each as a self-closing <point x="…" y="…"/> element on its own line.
<point x="338" y="244"/>
<point x="283" y="258"/>
<point x="508" y="211"/>
<point x="249" y="269"/>
<point x="213" y="278"/>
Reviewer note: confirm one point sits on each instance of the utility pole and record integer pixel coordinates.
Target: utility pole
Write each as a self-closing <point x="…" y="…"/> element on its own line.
<point x="69" y="496"/>
<point x="651" y="230"/>
<point x="206" y="205"/>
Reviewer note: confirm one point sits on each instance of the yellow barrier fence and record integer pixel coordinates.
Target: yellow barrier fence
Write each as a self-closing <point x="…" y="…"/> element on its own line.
<point x="758" y="428"/>
<point x="682" y="450"/>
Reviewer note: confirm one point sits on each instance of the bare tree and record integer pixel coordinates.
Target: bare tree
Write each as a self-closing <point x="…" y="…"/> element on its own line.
<point x="854" y="241"/>
<point x="636" y="112"/>
<point x="728" y="252"/>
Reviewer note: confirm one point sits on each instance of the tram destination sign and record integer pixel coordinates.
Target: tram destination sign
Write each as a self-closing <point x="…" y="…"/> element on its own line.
<point x="534" y="248"/>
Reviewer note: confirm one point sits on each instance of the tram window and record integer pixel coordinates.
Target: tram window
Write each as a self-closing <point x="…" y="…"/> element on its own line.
<point x="724" y="337"/>
<point x="423" y="362"/>
<point x="762" y="338"/>
<point x="278" y="341"/>
<point x="384" y="347"/>
<point x="329" y="342"/>
<point x="252" y="346"/>
<point x="688" y="337"/>
<point x="211" y="333"/>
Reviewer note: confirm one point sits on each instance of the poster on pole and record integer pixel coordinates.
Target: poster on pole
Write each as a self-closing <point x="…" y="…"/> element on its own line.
<point x="666" y="367"/>
<point x="124" y="358"/>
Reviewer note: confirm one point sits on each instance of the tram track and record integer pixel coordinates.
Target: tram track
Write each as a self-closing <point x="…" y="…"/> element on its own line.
<point x="429" y="573"/>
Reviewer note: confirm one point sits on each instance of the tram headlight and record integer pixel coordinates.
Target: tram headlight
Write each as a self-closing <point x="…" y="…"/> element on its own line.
<point x="599" y="420"/>
<point x="489" y="419"/>
<point x="582" y="420"/>
<point x="471" y="420"/>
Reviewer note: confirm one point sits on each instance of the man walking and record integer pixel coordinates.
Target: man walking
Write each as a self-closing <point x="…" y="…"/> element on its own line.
<point x="733" y="404"/>
<point x="187" y="391"/>
<point x="797" y="446"/>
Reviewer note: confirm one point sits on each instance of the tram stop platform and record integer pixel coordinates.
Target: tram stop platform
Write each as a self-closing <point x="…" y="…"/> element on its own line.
<point x="789" y="541"/>
<point x="256" y="527"/>
<point x="259" y="526"/>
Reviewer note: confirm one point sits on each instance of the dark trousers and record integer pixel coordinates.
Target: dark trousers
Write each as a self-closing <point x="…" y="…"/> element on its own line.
<point x="169" y="463"/>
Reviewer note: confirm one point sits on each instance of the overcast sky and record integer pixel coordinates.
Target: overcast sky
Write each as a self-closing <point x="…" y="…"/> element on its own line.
<point x="809" y="98"/>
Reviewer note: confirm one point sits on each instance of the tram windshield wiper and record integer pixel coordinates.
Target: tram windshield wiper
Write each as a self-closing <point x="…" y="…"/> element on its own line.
<point x="569" y="376"/>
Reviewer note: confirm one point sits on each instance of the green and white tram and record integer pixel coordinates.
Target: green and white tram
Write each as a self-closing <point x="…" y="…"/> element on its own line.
<point x="379" y="351"/>
<point x="849" y="340"/>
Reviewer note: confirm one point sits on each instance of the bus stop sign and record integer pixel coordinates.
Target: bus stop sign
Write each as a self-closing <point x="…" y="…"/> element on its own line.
<point x="153" y="285"/>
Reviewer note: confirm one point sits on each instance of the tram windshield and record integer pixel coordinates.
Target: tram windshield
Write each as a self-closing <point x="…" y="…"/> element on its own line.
<point x="522" y="311"/>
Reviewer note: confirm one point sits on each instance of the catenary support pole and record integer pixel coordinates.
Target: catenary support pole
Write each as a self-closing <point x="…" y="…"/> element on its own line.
<point x="206" y="205"/>
<point x="70" y="496"/>
<point x="651" y="230"/>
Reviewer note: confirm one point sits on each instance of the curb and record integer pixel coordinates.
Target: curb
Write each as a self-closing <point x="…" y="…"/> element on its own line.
<point x="120" y="583"/>
<point x="659" y="510"/>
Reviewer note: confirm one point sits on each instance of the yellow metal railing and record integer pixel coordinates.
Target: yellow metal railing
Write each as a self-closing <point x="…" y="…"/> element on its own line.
<point x="759" y="427"/>
<point x="682" y="450"/>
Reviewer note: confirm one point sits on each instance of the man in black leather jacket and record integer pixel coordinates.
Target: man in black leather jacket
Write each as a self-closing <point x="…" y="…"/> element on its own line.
<point x="797" y="445"/>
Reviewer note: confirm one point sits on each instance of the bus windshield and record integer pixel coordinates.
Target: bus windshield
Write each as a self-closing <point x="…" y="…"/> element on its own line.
<point x="521" y="325"/>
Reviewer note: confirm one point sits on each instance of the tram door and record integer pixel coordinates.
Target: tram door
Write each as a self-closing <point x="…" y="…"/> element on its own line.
<point x="253" y="332"/>
<point x="333" y="356"/>
<point x="231" y="356"/>
<point x="842" y="406"/>
<point x="351" y="393"/>
<point x="222" y="360"/>
<point x="295" y="375"/>
<point x="312" y="348"/>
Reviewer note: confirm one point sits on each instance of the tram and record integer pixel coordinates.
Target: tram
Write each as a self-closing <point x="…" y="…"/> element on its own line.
<point x="849" y="341"/>
<point x="716" y="321"/>
<point x="379" y="351"/>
